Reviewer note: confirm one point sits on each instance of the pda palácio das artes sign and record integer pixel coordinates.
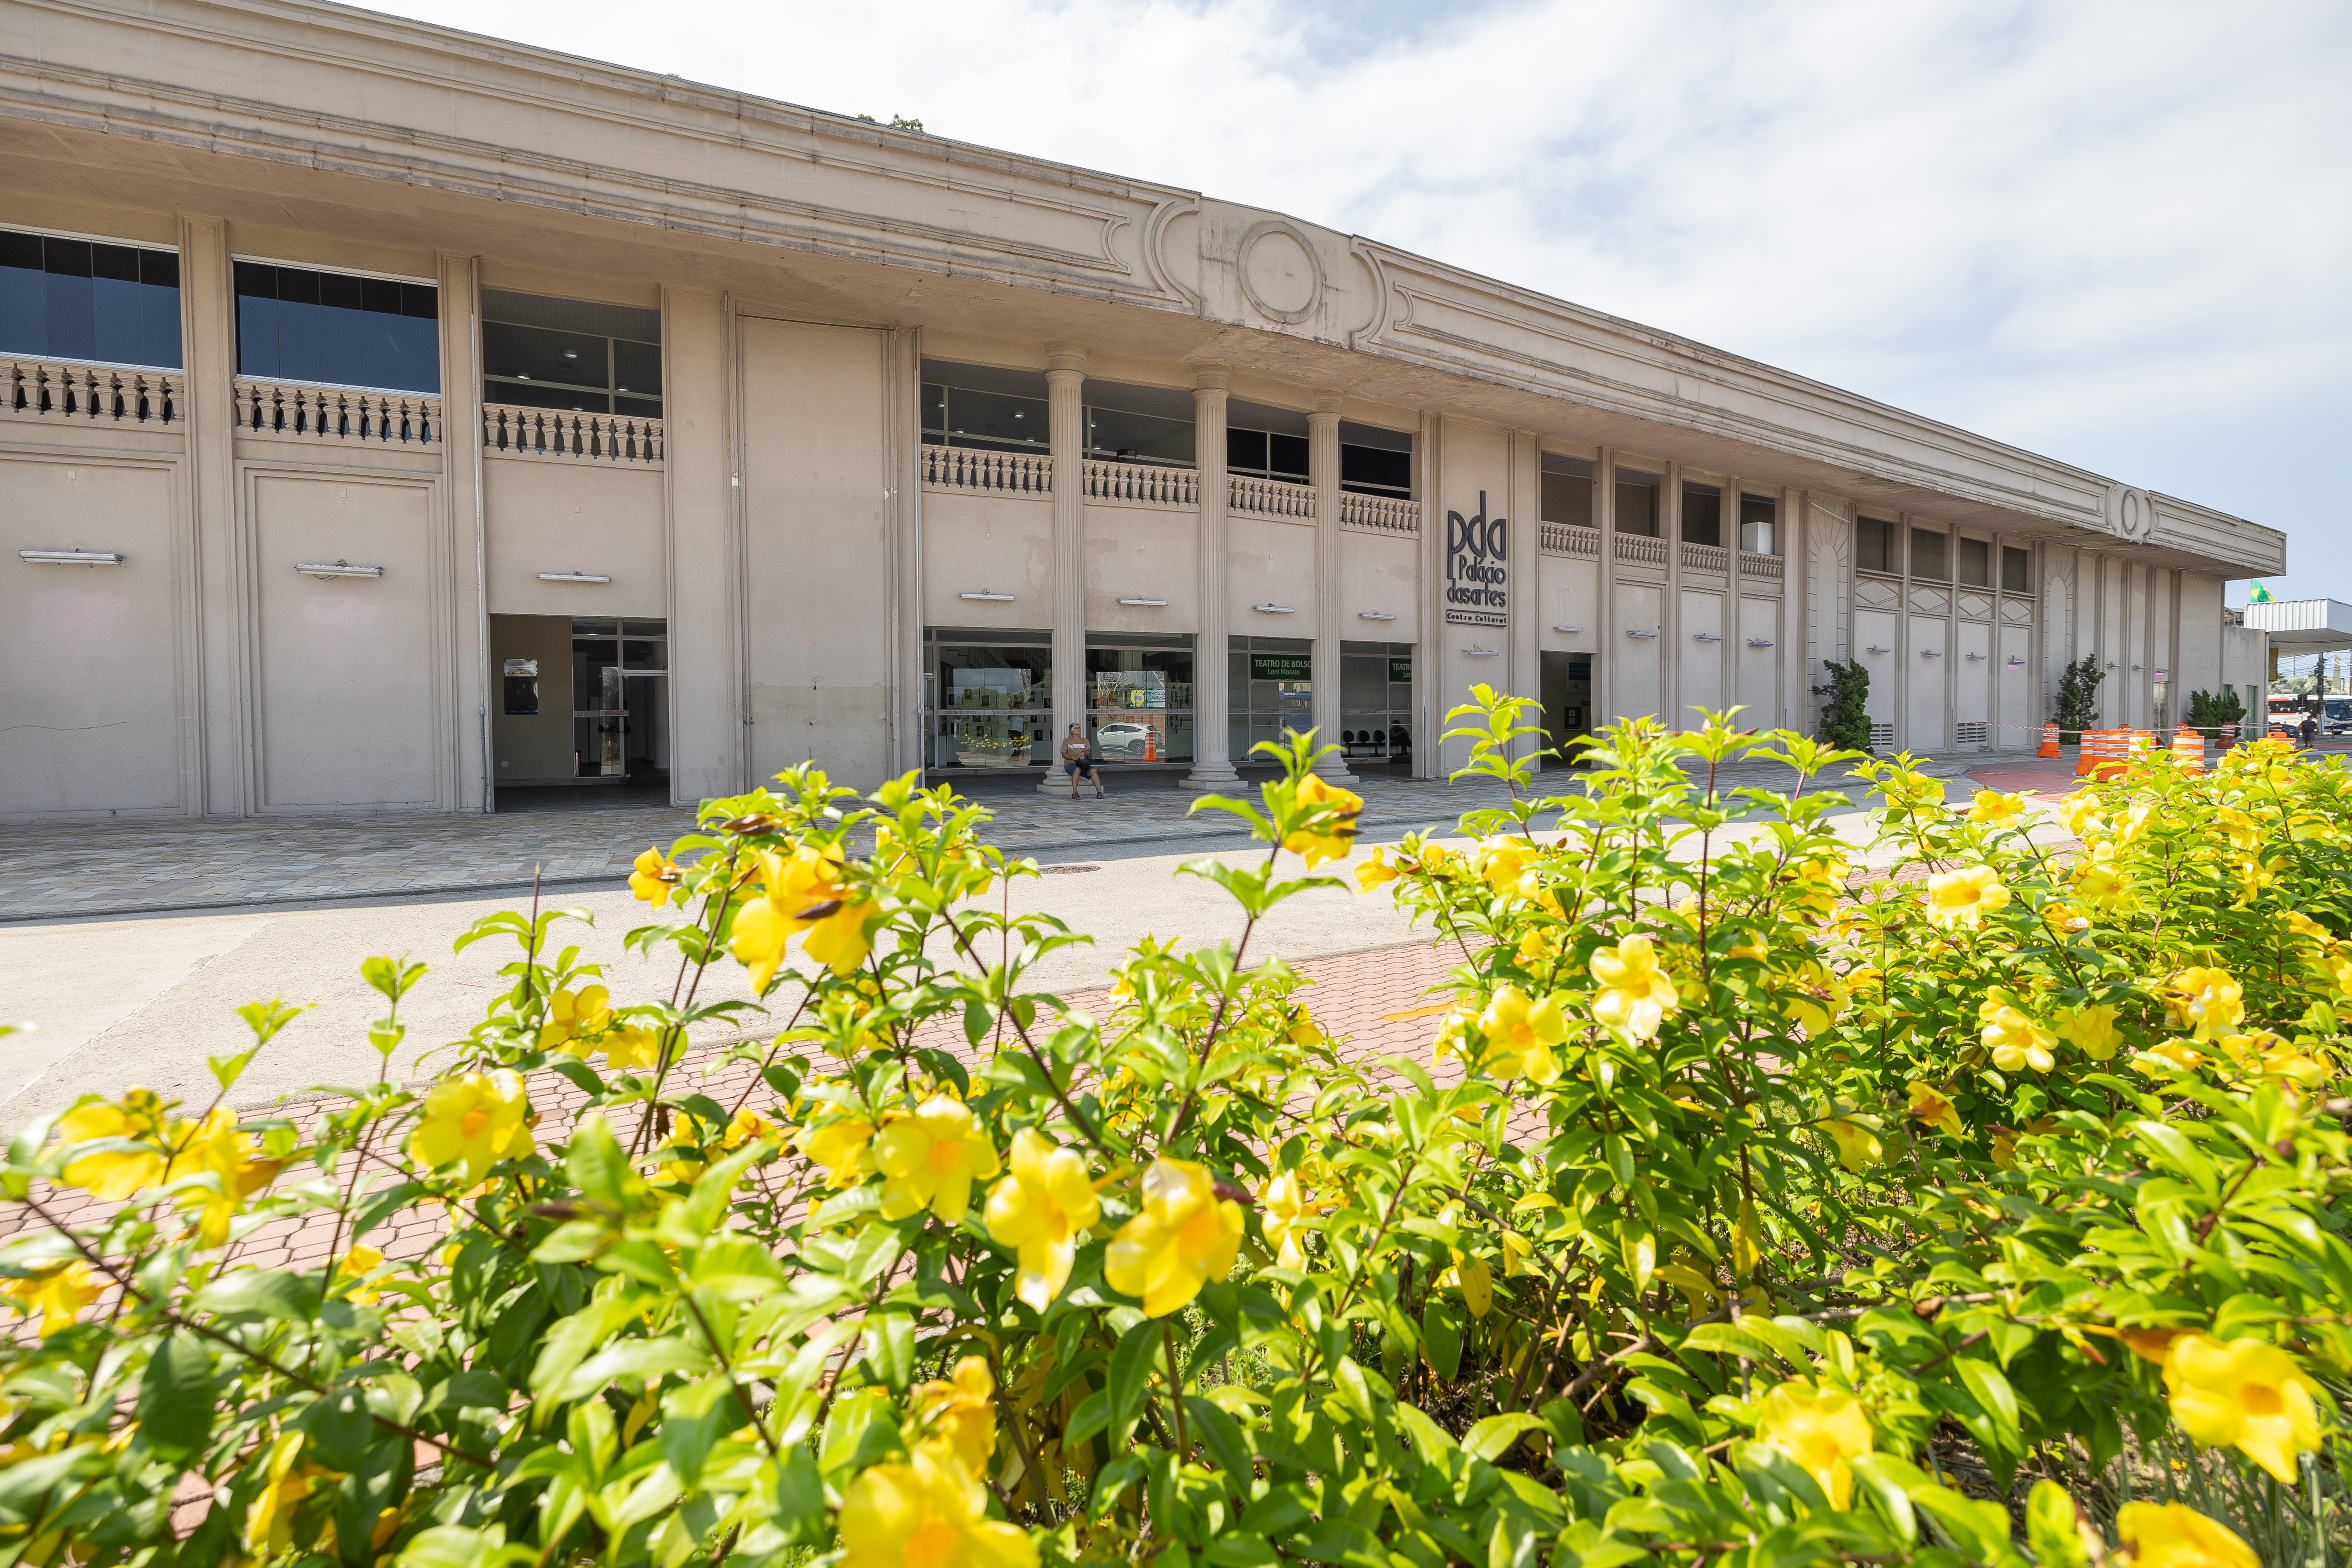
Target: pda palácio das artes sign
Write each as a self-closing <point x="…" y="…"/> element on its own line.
<point x="1475" y="573"/>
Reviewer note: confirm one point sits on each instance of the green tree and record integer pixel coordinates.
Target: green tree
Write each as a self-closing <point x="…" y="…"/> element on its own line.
<point x="2210" y="710"/>
<point x="1846" y="716"/>
<point x="2077" y="708"/>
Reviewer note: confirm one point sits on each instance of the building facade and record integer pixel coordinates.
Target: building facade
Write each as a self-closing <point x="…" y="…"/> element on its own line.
<point x="390" y="416"/>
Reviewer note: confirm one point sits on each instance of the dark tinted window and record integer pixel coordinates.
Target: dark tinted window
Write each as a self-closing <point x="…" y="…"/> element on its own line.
<point x="1874" y="549"/>
<point x="1375" y="470"/>
<point x="573" y="365"/>
<point x="1116" y="435"/>
<point x="87" y="299"/>
<point x="1702" y="515"/>
<point x="1758" y="520"/>
<point x="1266" y="454"/>
<point x="1928" y="556"/>
<point x="1976" y="562"/>
<point x="2016" y="570"/>
<point x="338" y="328"/>
<point x="1637" y="503"/>
<point x="955" y="416"/>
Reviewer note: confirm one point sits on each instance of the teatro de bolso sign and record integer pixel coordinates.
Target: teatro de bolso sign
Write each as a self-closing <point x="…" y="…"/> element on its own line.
<point x="1474" y="572"/>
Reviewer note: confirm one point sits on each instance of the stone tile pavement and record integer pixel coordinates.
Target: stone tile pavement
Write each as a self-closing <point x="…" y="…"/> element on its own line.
<point x="48" y="872"/>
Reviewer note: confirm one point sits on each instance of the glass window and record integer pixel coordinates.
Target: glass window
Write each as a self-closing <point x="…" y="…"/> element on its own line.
<point x="958" y="416"/>
<point x="2016" y="570"/>
<point x="1375" y="462"/>
<point x="1140" y="697"/>
<point x="1375" y="702"/>
<point x="1759" y="518"/>
<point x="1702" y="514"/>
<point x="1567" y="491"/>
<point x="1266" y="454"/>
<point x="988" y="697"/>
<point x="88" y="299"/>
<point x="1637" y="502"/>
<point x="337" y="329"/>
<point x="1927" y="558"/>
<point x="544" y="353"/>
<point x="1976" y="562"/>
<point x="1115" y="434"/>
<point x="1874" y="546"/>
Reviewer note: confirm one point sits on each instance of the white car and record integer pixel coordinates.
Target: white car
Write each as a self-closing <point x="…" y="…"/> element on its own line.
<point x="1123" y="743"/>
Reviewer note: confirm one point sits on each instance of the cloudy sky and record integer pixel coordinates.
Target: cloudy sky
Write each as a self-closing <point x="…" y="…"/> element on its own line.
<point x="2116" y="233"/>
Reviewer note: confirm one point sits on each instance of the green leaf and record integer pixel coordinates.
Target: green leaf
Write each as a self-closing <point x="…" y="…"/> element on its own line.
<point x="1440" y="1338"/>
<point x="596" y="1163"/>
<point x="694" y="1419"/>
<point x="1221" y="1435"/>
<point x="262" y="1292"/>
<point x="889" y="1349"/>
<point x="175" y="1398"/>
<point x="800" y="1499"/>
<point x="1491" y="1438"/>
<point x="2052" y="1529"/>
<point x="1985" y="1381"/>
<point x="1131" y="1365"/>
<point x="337" y="1428"/>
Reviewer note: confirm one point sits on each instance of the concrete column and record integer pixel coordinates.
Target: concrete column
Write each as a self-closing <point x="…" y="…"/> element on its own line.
<point x="1213" y="764"/>
<point x="1726" y="512"/>
<point x="1323" y="473"/>
<point x="1523" y="568"/>
<point x="709" y="749"/>
<point x="1066" y="381"/>
<point x="1608" y="703"/>
<point x="221" y="751"/>
<point x="1670" y="613"/>
<point x="469" y="621"/>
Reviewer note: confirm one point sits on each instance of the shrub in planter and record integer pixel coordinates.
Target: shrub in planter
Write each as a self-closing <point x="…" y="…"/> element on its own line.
<point x="2077" y="705"/>
<point x="1749" y="1208"/>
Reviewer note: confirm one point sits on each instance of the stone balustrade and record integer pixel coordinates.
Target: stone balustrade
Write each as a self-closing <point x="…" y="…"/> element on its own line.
<point x="1249" y="497"/>
<point x="1567" y="539"/>
<point x="1770" y="568"/>
<point x="1380" y="514"/>
<point x="112" y="395"/>
<point x="1640" y="550"/>
<point x="298" y="412"/>
<point x="974" y="471"/>
<point x="562" y="434"/>
<point x="1142" y="484"/>
<point x="1705" y="558"/>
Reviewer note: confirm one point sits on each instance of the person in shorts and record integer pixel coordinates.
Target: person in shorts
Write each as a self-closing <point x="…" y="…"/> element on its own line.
<point x="1079" y="758"/>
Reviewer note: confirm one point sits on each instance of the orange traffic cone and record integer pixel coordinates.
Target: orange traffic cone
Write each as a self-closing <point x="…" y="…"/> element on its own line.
<point x="1150" y="745"/>
<point x="2049" y="742"/>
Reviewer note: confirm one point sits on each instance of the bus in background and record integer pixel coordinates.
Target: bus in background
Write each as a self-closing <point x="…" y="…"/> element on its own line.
<point x="2287" y="713"/>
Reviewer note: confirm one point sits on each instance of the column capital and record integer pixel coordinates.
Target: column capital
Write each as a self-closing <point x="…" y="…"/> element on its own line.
<point x="1212" y="376"/>
<point x="1065" y="356"/>
<point x="1329" y="400"/>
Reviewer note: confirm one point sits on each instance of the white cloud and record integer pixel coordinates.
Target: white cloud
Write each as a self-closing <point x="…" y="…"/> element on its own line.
<point x="2107" y="231"/>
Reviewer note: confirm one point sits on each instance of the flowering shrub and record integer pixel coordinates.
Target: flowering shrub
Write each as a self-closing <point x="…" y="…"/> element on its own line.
<point x="1750" y="1207"/>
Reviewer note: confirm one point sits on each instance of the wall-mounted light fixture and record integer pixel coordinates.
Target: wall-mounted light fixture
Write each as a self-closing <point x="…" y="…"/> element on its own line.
<point x="1931" y="653"/>
<point x="1875" y="648"/>
<point x="572" y="578"/>
<point x="992" y="598"/>
<point x="1976" y="658"/>
<point x="2015" y="662"/>
<point x="1705" y="637"/>
<point x="1154" y="604"/>
<point x="1275" y="609"/>
<point x="1760" y="642"/>
<point x="1571" y="631"/>
<point x="1637" y="632"/>
<point x="1483" y="652"/>
<point x="1374" y="616"/>
<point x="71" y="557"/>
<point x="339" y="569"/>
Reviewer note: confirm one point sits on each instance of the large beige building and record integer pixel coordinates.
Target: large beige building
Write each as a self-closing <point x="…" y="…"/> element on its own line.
<point x="392" y="417"/>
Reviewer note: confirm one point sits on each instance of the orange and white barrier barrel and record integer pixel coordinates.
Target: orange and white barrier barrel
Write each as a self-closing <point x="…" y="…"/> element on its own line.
<point x="2049" y="742"/>
<point x="2189" y="748"/>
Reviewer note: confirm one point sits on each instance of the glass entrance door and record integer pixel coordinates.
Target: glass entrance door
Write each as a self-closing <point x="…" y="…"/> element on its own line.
<point x="619" y="670"/>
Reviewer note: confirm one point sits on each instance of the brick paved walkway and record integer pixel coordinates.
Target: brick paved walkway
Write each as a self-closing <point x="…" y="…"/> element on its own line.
<point x="148" y="867"/>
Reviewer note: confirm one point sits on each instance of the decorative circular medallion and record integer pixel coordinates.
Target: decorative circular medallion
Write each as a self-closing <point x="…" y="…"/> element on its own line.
<point x="1280" y="271"/>
<point x="2131" y="514"/>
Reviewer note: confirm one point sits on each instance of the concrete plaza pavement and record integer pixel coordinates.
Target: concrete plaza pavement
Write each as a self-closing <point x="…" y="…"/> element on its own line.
<point x="146" y="998"/>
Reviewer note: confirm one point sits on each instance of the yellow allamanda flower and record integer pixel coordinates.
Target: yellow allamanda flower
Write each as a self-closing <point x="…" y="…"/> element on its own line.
<point x="1040" y="1208"/>
<point x="962" y="1413"/>
<point x="2267" y="1055"/>
<point x="1816" y="998"/>
<point x="2251" y="877"/>
<point x="929" y="1159"/>
<point x="2083" y="812"/>
<point x="2243" y="831"/>
<point x="654" y="878"/>
<point x="2177" y="1053"/>
<point x="355" y="1266"/>
<point x="1963" y="897"/>
<point x="117" y="1174"/>
<point x="1539" y="945"/>
<point x="1185" y="1236"/>
<point x="1993" y="809"/>
<point x="216" y="1147"/>
<point x="2174" y="1535"/>
<point x="1286" y="1212"/>
<point x="1521" y="1031"/>
<point x="1821" y="1430"/>
<point x="1635" y="993"/>
<point x="2064" y="918"/>
<point x="479" y="1118"/>
<point x="2098" y="883"/>
<point x="1858" y="1147"/>
<point x="1335" y="837"/>
<point x="2247" y="1394"/>
<point x="746" y="1126"/>
<point x="2090" y="1030"/>
<point x="1815" y="886"/>
<point x="803" y="891"/>
<point x="572" y="1014"/>
<point x="2016" y="1041"/>
<point x="841" y="1147"/>
<point x="1503" y="865"/>
<point x="57" y="1293"/>
<point x="929" y="1513"/>
<point x="1934" y="1107"/>
<point x="1376" y="872"/>
<point x="269" y="1518"/>
<point x="2204" y="999"/>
